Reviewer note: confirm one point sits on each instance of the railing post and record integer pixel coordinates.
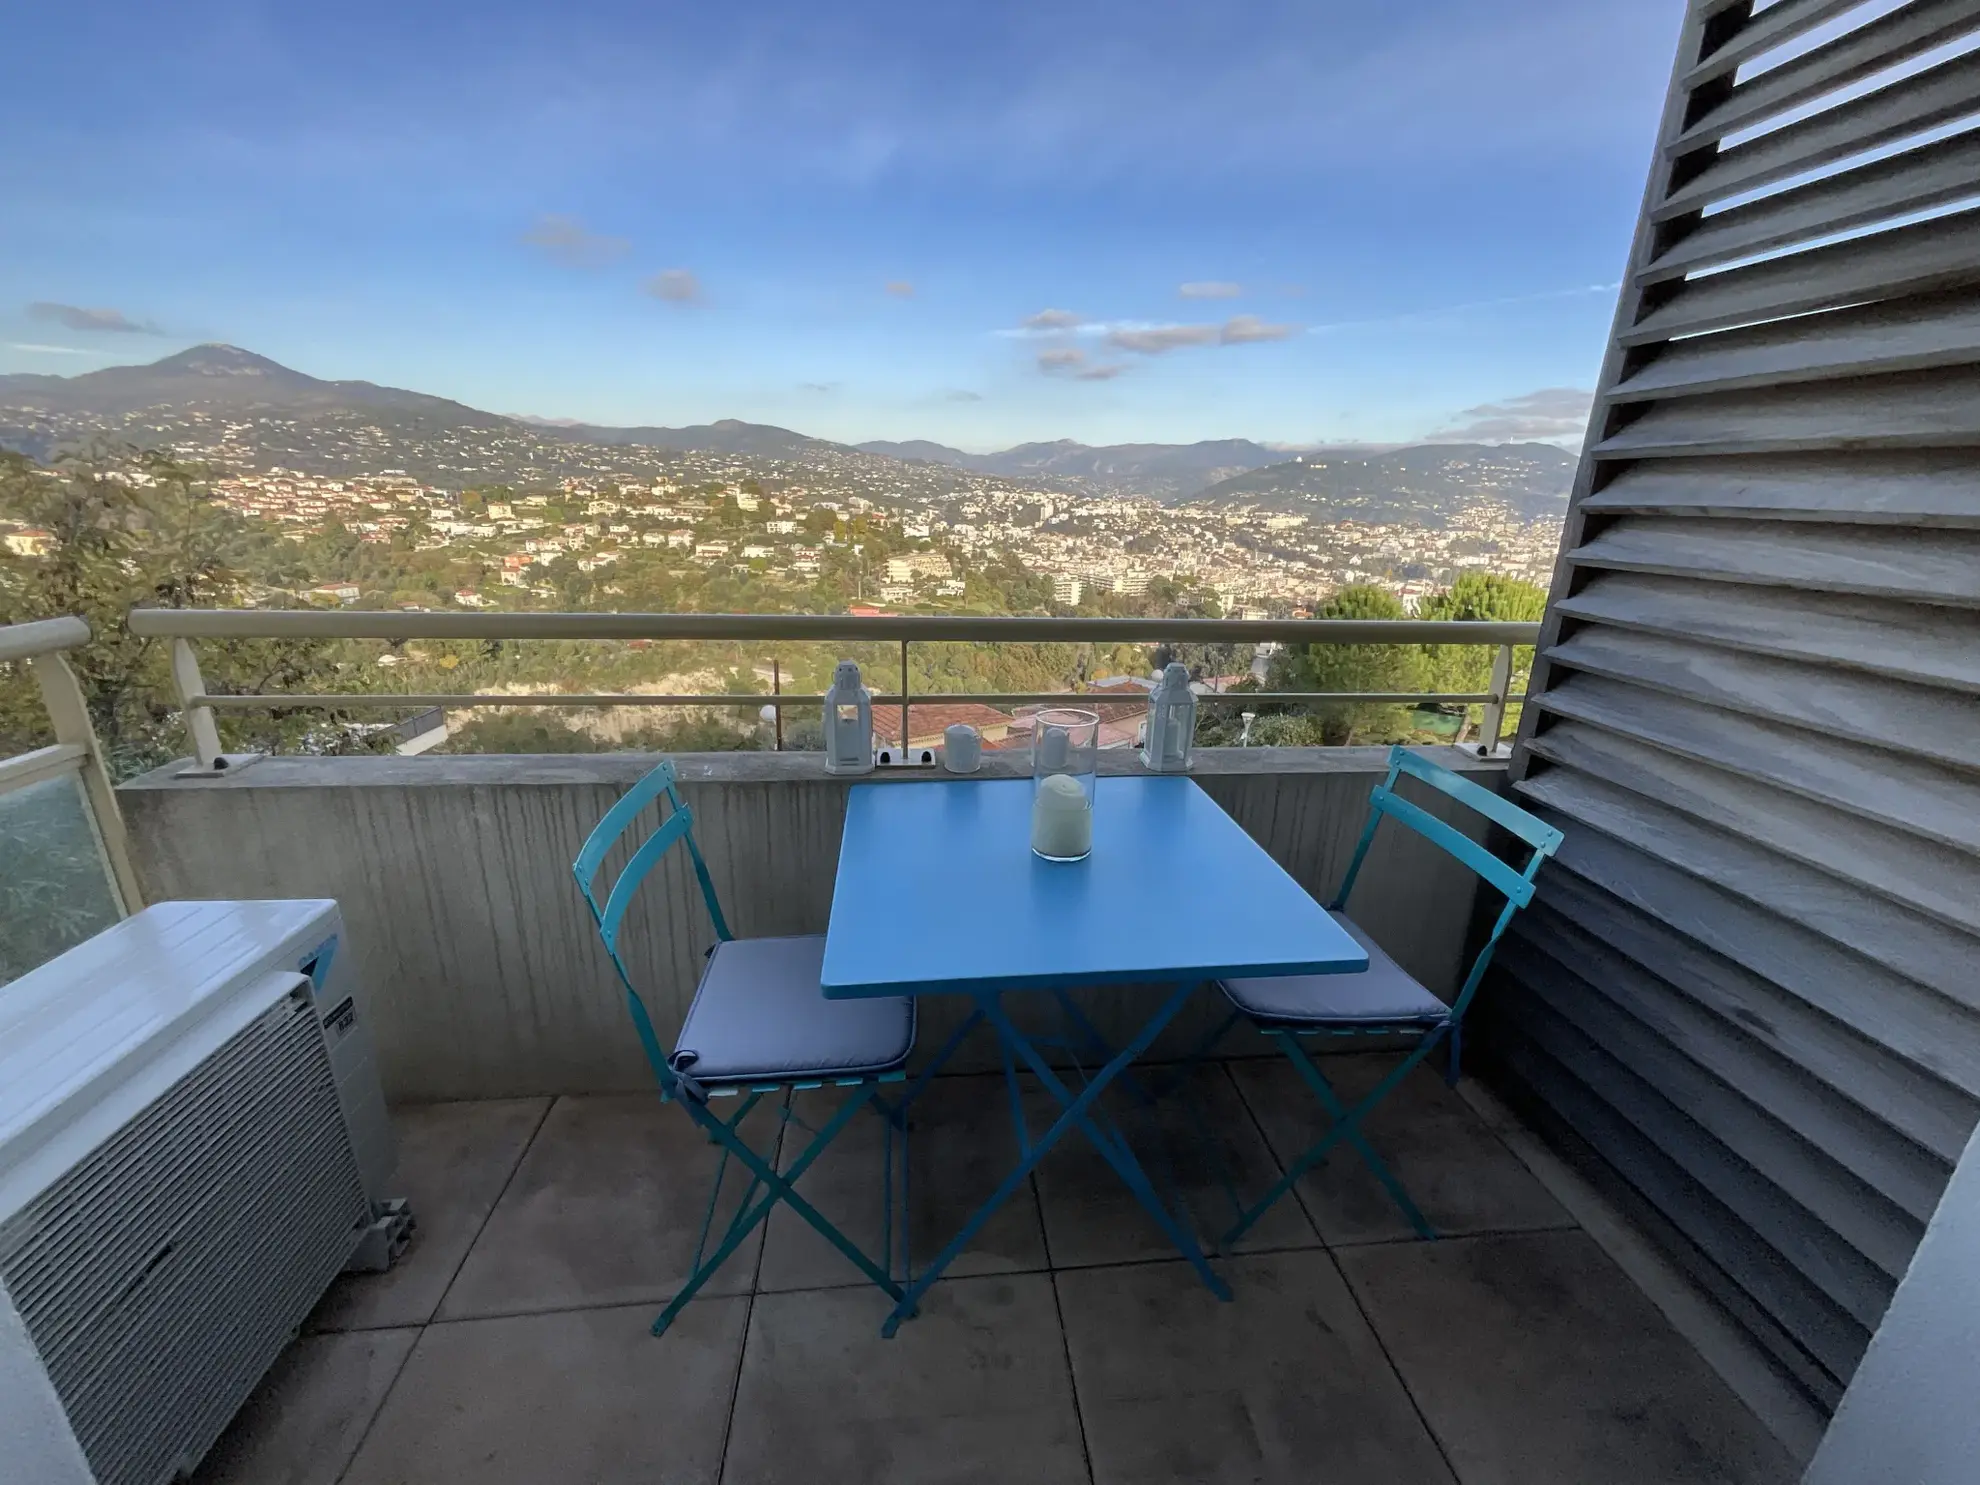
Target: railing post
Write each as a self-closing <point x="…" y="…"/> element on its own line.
<point x="1494" y="723"/>
<point x="187" y="682"/>
<point x="62" y="695"/>
<point x="903" y="755"/>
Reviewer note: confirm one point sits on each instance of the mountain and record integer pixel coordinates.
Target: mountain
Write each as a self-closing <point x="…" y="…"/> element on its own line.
<point x="921" y="451"/>
<point x="271" y="414"/>
<point x="225" y="378"/>
<point x="41" y="414"/>
<point x="725" y="436"/>
<point x="1423" y="482"/>
<point x="1164" y="470"/>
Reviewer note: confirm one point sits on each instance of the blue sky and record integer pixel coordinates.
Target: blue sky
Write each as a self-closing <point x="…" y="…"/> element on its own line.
<point x="968" y="222"/>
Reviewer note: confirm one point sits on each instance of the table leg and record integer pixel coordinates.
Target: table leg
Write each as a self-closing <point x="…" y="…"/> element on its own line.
<point x="927" y="1075"/>
<point x="1112" y="1146"/>
<point x="1096" y="1045"/>
<point x="1073" y="1113"/>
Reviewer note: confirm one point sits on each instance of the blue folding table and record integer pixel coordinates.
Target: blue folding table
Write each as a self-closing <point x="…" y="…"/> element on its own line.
<point x="938" y="893"/>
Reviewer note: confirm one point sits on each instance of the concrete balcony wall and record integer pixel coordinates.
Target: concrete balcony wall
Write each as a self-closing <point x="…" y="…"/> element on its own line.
<point x="481" y="973"/>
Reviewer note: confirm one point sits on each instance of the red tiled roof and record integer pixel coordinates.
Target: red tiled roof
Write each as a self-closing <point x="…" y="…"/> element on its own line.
<point x="928" y="722"/>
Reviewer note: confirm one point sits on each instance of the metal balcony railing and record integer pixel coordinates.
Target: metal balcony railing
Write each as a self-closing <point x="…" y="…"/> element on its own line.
<point x="183" y="626"/>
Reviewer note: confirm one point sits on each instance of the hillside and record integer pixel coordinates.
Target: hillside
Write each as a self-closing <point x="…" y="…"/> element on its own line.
<point x="1423" y="482"/>
<point x="725" y="436"/>
<point x="245" y="410"/>
<point x="226" y="379"/>
<point x="1163" y="470"/>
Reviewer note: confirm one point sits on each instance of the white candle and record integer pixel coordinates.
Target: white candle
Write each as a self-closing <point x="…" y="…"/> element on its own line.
<point x="1061" y="819"/>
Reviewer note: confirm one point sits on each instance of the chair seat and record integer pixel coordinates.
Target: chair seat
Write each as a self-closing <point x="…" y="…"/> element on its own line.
<point x="1384" y="994"/>
<point x="759" y="1016"/>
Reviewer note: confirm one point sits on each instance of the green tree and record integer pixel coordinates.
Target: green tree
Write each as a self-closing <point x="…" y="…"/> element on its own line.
<point x="1481" y="596"/>
<point x="1390" y="668"/>
<point x="144" y="531"/>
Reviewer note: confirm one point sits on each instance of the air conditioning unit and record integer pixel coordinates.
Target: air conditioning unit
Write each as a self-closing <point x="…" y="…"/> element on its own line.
<point x="193" y="1143"/>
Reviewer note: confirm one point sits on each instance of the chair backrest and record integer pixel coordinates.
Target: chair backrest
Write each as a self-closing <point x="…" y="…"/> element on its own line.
<point x="1515" y="884"/>
<point x="676" y="827"/>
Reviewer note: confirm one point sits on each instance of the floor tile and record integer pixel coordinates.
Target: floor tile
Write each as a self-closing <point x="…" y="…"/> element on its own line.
<point x="974" y="1389"/>
<point x="454" y="1160"/>
<point x="1454" y="1167"/>
<point x="1189" y="1146"/>
<point x="1537" y="1362"/>
<point x="581" y="1396"/>
<point x="962" y="1146"/>
<point x="1286" y="1383"/>
<point x="307" y="1417"/>
<point x="604" y="1210"/>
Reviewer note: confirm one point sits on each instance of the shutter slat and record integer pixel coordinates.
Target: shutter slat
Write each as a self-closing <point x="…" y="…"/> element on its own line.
<point x="1908" y="1178"/>
<point x="1934" y="175"/>
<point x="1826" y="559"/>
<point x="1921" y="489"/>
<point x="1940" y="254"/>
<point x="1772" y="27"/>
<point x="1906" y="642"/>
<point x="1919" y="720"/>
<point x="1932" y="1114"/>
<point x="1809" y="1317"/>
<point x="1926" y="1003"/>
<point x="1876" y="339"/>
<point x="1906" y="411"/>
<point x="1710" y="1135"/>
<point x="1921" y="1028"/>
<point x="1939" y="95"/>
<point x="1864" y="52"/>
<point x="1939" y="881"/>
<point x="1932" y="803"/>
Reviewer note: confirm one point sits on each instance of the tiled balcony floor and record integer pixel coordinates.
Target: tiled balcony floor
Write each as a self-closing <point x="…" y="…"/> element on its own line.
<point x="510" y="1347"/>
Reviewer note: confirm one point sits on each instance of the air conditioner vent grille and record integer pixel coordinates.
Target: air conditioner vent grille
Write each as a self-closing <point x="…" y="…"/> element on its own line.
<point x="162" y="1275"/>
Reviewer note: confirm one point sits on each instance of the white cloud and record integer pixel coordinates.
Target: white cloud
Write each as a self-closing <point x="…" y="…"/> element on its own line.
<point x="1210" y="289"/>
<point x="1072" y="361"/>
<point x="1156" y="340"/>
<point x="675" y="286"/>
<point x="567" y="241"/>
<point x="1249" y="329"/>
<point x="1551" y="413"/>
<point x="53" y="350"/>
<point x="1053" y="319"/>
<point x="900" y="288"/>
<point x="76" y="317"/>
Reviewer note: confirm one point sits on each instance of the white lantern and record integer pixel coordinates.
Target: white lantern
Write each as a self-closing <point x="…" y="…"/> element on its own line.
<point x="848" y="722"/>
<point x="1171" y="729"/>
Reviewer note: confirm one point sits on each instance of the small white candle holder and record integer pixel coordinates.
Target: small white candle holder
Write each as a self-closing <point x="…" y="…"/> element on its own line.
<point x="1065" y="759"/>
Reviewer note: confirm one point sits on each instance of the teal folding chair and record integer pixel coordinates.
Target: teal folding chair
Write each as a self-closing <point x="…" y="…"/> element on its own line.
<point x="759" y="1027"/>
<point x="1384" y="999"/>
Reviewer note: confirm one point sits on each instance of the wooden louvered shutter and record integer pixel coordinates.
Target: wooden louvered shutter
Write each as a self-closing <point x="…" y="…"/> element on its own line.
<point x="1751" y="982"/>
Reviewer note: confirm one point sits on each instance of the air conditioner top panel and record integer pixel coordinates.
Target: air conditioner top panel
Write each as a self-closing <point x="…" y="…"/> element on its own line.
<point x="93" y="1035"/>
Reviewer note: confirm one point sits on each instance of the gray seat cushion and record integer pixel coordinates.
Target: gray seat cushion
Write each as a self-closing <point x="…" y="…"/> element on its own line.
<point x="759" y="1016"/>
<point x="1381" y="995"/>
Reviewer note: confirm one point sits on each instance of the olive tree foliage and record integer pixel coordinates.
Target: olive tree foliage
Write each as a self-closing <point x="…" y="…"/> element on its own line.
<point x="131" y="530"/>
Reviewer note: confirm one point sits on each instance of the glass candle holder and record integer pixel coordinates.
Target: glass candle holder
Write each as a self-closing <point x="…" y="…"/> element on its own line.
<point x="1065" y="755"/>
